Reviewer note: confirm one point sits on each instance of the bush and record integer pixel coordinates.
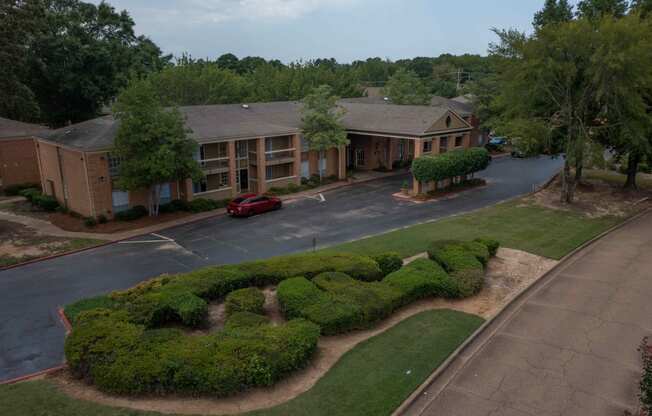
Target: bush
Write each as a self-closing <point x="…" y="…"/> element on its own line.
<point x="241" y="320"/>
<point x="204" y="205"/>
<point x="176" y="205"/>
<point x="102" y="219"/>
<point x="421" y="279"/>
<point x="30" y="193"/>
<point x="492" y="245"/>
<point x="90" y="222"/>
<point x="131" y="214"/>
<point x="450" y="164"/>
<point x="45" y="202"/>
<point x="120" y="357"/>
<point x="14" y="190"/>
<point x="389" y="262"/>
<point x="245" y="300"/>
<point x="646" y="378"/>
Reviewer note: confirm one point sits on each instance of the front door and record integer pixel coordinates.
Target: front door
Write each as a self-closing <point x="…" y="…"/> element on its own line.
<point x="359" y="157"/>
<point x="243" y="180"/>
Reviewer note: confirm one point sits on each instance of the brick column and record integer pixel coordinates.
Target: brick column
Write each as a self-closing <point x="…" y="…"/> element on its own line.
<point x="296" y="143"/>
<point x="467" y="140"/>
<point x="435" y="146"/>
<point x="186" y="189"/>
<point x="390" y="154"/>
<point x="341" y="163"/>
<point x="261" y="171"/>
<point x="417" y="187"/>
<point x="233" y="168"/>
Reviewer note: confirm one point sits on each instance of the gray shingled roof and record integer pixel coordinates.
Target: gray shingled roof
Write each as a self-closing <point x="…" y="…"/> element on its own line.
<point x="464" y="109"/>
<point x="16" y="129"/>
<point x="221" y="122"/>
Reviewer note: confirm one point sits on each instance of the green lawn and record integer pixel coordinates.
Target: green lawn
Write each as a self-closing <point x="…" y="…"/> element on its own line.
<point x="546" y="232"/>
<point x="615" y="178"/>
<point x="372" y="379"/>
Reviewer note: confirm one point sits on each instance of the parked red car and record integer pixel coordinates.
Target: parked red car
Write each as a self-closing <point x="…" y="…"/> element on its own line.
<point x="252" y="204"/>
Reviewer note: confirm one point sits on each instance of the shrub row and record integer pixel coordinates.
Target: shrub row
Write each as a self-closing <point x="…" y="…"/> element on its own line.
<point x="389" y="262"/>
<point x="450" y="164"/>
<point x="421" y="279"/>
<point x="464" y="261"/>
<point x="337" y="302"/>
<point x="132" y="214"/>
<point x="124" y="358"/>
<point x="38" y="199"/>
<point x="14" y="190"/>
<point x="245" y="300"/>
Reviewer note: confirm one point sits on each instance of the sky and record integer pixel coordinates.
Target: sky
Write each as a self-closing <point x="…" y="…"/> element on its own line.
<point x="346" y="30"/>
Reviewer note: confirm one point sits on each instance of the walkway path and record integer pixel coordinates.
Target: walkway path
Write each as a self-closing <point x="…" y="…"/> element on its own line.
<point x="568" y="348"/>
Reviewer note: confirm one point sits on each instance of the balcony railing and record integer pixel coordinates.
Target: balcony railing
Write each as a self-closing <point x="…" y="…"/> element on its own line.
<point x="215" y="165"/>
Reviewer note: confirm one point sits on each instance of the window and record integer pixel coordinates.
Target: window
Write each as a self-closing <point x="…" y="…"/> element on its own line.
<point x="278" y="171"/>
<point x="401" y="150"/>
<point x="459" y="141"/>
<point x="120" y="200"/>
<point x="166" y="193"/>
<point x="449" y="121"/>
<point x="114" y="165"/>
<point x="211" y="183"/>
<point x="427" y="146"/>
<point x="443" y="144"/>
<point x="359" y="157"/>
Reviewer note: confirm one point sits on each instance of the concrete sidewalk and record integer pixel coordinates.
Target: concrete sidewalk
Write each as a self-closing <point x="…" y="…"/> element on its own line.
<point x="569" y="347"/>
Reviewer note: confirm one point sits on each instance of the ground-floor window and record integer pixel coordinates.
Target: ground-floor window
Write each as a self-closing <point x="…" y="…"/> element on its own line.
<point x="166" y="193"/>
<point x="401" y="150"/>
<point x="305" y="169"/>
<point x="213" y="182"/>
<point x="278" y="171"/>
<point x="120" y="200"/>
<point x="427" y="146"/>
<point x="359" y="157"/>
<point x="459" y="141"/>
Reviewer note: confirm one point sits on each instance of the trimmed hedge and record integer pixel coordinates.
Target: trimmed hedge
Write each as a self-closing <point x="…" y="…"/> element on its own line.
<point x="249" y="299"/>
<point x="491" y="244"/>
<point x="421" y="279"/>
<point x="38" y="199"/>
<point x="241" y="320"/>
<point x="465" y="261"/>
<point x="124" y="358"/>
<point x="389" y="262"/>
<point x="14" y="190"/>
<point x="450" y="164"/>
<point x="131" y="214"/>
<point x="117" y="342"/>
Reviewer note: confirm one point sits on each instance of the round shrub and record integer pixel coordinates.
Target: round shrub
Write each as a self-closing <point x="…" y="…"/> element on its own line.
<point x="491" y="244"/>
<point x="389" y="262"/>
<point x="421" y="279"/>
<point x="245" y="300"/>
<point x="45" y="202"/>
<point x="132" y="214"/>
<point x="90" y="222"/>
<point x="461" y="261"/>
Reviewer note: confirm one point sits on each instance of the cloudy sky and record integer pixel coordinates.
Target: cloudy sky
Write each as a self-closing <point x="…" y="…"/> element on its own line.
<point x="344" y="29"/>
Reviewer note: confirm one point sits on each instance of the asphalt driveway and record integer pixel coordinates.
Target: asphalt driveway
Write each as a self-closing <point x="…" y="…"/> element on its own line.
<point x="569" y="348"/>
<point x="31" y="336"/>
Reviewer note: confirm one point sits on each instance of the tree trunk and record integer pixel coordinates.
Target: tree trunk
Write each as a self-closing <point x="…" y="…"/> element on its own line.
<point x="579" y="162"/>
<point x="567" y="184"/>
<point x="632" y="170"/>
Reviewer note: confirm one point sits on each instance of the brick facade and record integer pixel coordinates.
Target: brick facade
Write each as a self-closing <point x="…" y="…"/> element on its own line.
<point x="18" y="162"/>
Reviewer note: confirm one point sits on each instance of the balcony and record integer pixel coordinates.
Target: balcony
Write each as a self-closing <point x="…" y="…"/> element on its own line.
<point x="275" y="157"/>
<point x="213" y="166"/>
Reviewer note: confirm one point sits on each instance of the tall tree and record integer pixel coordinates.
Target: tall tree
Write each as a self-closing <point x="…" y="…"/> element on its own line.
<point x="21" y="23"/>
<point x="643" y="7"/>
<point x="82" y="56"/>
<point x="597" y="9"/>
<point x="322" y="127"/>
<point x="228" y="61"/>
<point x="406" y="88"/>
<point x="553" y="12"/>
<point x="152" y="144"/>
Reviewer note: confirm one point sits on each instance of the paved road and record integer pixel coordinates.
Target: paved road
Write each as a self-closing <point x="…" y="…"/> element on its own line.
<point x="567" y="349"/>
<point x="31" y="336"/>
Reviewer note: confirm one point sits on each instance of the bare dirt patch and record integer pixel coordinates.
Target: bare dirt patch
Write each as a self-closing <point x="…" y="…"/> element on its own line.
<point x="594" y="198"/>
<point x="19" y="243"/>
<point x="508" y="273"/>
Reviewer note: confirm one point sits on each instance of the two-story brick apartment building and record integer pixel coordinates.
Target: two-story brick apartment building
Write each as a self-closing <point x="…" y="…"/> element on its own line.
<point x="18" y="160"/>
<point x="244" y="148"/>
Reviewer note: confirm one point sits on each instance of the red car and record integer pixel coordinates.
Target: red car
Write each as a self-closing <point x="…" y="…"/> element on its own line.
<point x="252" y="204"/>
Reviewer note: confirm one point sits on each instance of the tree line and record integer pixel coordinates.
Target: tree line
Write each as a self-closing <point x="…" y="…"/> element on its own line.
<point x="581" y="80"/>
<point x="65" y="61"/>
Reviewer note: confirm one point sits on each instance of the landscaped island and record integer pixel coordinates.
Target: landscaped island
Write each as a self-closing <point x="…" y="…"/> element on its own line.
<point x="139" y="341"/>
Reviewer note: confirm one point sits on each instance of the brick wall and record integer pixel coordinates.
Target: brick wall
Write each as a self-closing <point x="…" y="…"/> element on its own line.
<point x="18" y="162"/>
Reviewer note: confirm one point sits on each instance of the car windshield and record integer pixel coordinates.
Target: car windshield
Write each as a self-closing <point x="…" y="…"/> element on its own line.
<point x="239" y="200"/>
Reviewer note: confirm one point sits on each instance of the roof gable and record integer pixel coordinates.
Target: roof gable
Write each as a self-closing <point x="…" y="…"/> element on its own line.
<point x="448" y="121"/>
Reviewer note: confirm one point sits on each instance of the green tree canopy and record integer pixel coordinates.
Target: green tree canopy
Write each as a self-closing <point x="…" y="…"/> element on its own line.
<point x="322" y="128"/>
<point x="406" y="88"/>
<point x="597" y="9"/>
<point x="553" y="12"/>
<point x="152" y="144"/>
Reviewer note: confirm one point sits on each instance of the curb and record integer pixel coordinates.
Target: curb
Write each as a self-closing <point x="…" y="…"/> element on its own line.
<point x="502" y="314"/>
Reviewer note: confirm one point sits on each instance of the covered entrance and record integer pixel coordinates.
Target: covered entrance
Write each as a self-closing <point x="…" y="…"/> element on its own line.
<point x="378" y="152"/>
